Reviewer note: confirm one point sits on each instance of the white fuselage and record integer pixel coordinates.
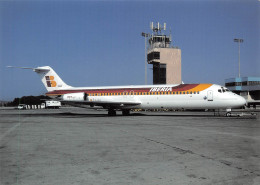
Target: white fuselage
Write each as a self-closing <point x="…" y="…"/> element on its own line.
<point x="159" y="97"/>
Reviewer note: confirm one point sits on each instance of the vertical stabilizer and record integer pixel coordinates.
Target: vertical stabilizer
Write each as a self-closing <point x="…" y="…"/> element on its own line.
<point x="50" y="79"/>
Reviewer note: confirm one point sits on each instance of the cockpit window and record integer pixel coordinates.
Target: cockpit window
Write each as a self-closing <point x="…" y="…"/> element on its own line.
<point x="222" y="90"/>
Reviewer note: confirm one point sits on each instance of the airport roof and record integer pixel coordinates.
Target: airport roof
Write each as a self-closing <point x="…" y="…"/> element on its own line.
<point x="242" y="79"/>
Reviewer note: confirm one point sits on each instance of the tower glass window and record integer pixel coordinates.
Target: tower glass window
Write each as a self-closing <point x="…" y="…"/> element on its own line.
<point x="159" y="73"/>
<point x="153" y="56"/>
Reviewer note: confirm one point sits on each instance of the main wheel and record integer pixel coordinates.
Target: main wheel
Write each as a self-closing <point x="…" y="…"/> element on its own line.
<point x="125" y="112"/>
<point x="111" y="112"/>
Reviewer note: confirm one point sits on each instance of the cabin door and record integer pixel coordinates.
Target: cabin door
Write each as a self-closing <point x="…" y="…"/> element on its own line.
<point x="210" y="95"/>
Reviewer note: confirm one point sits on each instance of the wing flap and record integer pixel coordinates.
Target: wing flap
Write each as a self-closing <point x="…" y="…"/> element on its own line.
<point x="105" y="104"/>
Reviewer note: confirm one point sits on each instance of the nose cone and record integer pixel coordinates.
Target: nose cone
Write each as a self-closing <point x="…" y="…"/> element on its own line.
<point x="240" y="101"/>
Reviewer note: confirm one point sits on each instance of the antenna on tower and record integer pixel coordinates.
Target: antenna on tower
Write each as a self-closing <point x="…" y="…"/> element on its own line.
<point x="158" y="27"/>
<point x="151" y="25"/>
<point x="170" y="36"/>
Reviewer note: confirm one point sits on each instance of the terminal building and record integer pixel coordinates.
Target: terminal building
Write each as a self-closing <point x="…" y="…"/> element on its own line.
<point x="165" y="58"/>
<point x="248" y="87"/>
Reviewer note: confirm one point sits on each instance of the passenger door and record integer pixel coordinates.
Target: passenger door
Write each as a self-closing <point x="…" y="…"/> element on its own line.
<point x="210" y="95"/>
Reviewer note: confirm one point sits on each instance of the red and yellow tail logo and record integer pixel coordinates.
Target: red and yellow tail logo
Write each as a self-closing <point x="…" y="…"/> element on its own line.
<point x="50" y="81"/>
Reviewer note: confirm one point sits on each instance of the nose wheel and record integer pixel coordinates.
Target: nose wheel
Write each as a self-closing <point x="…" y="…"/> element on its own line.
<point x="228" y="114"/>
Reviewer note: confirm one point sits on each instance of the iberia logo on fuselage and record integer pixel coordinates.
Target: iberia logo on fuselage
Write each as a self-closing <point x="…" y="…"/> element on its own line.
<point x="50" y="81"/>
<point x="155" y="89"/>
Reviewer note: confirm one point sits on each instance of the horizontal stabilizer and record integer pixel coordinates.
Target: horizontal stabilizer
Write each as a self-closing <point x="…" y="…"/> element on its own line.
<point x="20" y="67"/>
<point x="48" y="76"/>
<point x="38" y="69"/>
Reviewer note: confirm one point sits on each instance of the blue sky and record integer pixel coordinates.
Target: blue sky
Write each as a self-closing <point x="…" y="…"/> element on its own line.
<point x="99" y="43"/>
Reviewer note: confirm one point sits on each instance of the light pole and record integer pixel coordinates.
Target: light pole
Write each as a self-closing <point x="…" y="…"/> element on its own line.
<point x="239" y="41"/>
<point x="145" y="35"/>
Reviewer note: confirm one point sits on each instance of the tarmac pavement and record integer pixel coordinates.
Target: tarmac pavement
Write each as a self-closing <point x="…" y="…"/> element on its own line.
<point x="72" y="146"/>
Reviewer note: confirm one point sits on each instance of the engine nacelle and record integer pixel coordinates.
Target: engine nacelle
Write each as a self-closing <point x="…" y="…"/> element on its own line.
<point x="75" y="97"/>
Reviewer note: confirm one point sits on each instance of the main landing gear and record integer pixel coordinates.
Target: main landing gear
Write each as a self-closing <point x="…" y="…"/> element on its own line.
<point x="125" y="112"/>
<point x="112" y="112"/>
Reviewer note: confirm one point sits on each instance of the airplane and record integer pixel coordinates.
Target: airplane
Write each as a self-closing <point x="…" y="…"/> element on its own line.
<point x="125" y="98"/>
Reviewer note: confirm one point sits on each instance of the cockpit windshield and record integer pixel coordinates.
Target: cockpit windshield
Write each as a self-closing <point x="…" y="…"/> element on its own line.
<point x="227" y="89"/>
<point x="223" y="90"/>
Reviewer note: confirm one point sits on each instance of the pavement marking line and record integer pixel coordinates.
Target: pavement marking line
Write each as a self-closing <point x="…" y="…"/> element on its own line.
<point x="222" y="133"/>
<point x="9" y="131"/>
<point x="185" y="151"/>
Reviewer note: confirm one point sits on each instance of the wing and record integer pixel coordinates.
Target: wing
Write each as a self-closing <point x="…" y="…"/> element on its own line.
<point x="104" y="104"/>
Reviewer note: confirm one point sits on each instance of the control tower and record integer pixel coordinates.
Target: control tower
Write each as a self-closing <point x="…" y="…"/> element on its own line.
<point x="165" y="58"/>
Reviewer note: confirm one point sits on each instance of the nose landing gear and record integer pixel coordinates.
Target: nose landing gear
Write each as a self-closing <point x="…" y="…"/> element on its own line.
<point x="228" y="112"/>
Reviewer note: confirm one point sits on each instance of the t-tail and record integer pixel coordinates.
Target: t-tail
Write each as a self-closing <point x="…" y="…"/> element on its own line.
<point x="49" y="78"/>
